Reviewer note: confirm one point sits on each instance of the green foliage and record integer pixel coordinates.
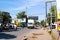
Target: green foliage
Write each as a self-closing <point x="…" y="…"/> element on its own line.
<point x="48" y="18"/>
<point x="53" y="11"/>
<point x="42" y="22"/>
<point x="5" y="16"/>
<point x="36" y="22"/>
<point x="22" y="24"/>
<point x="21" y="15"/>
<point x="0" y="16"/>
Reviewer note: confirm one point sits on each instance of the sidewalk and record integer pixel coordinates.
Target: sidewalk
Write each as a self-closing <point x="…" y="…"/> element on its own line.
<point x="38" y="34"/>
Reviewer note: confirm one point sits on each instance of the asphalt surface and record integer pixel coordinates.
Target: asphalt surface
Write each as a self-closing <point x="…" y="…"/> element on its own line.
<point x="14" y="34"/>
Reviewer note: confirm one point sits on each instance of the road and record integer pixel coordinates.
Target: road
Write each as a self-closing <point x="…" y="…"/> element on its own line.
<point x="14" y="35"/>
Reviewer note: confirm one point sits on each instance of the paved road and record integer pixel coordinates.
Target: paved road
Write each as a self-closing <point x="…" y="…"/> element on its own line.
<point x="14" y="35"/>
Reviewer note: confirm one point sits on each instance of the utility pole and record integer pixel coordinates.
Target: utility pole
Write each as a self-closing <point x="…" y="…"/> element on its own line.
<point x="26" y="15"/>
<point x="46" y="13"/>
<point x="51" y="17"/>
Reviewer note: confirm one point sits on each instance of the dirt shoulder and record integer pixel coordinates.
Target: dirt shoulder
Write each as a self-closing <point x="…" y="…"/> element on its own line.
<point x="38" y="34"/>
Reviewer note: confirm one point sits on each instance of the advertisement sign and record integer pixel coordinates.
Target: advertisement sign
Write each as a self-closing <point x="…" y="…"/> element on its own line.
<point x="58" y="9"/>
<point x="33" y="17"/>
<point x="23" y="20"/>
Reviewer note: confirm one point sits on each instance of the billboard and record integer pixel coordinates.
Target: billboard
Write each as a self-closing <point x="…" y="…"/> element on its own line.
<point x="33" y="17"/>
<point x="58" y="9"/>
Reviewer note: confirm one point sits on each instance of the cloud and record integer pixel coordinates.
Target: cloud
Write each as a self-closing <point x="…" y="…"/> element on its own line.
<point x="28" y="4"/>
<point x="20" y="8"/>
<point x="33" y="2"/>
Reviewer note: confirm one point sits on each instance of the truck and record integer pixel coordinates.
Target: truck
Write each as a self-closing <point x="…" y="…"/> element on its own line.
<point x="30" y="23"/>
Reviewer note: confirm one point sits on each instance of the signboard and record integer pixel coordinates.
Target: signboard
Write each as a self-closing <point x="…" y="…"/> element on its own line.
<point x="58" y="9"/>
<point x="23" y="20"/>
<point x="33" y="17"/>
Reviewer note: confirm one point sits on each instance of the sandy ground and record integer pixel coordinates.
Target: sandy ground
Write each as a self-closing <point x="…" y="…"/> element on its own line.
<point x="55" y="34"/>
<point x="38" y="34"/>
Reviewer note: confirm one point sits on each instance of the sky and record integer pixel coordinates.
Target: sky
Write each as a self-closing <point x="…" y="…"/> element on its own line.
<point x="32" y="7"/>
<point x="58" y="5"/>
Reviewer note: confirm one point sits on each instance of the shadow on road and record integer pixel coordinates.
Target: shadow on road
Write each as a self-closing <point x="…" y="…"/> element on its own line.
<point x="6" y="36"/>
<point x="11" y="30"/>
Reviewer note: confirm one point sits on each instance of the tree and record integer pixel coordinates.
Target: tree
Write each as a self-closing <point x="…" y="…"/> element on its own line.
<point x="0" y="16"/>
<point x="5" y="17"/>
<point x="48" y="18"/>
<point x="36" y="22"/>
<point x="53" y="11"/>
<point x="21" y="15"/>
<point x="43" y="23"/>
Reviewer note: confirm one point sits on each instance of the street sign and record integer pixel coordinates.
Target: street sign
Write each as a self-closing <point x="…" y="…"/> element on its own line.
<point x="58" y="9"/>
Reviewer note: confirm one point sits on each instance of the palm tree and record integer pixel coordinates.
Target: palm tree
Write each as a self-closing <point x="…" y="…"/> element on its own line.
<point x="21" y="15"/>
